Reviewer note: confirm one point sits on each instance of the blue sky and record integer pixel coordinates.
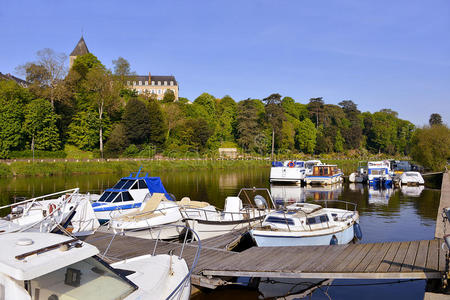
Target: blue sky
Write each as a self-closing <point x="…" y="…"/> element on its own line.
<point x="380" y="54"/>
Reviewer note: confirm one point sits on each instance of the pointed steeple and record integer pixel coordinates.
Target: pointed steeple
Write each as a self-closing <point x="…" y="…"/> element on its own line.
<point x="80" y="48"/>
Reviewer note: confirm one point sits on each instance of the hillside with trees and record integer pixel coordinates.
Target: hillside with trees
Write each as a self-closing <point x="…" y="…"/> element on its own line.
<point x="89" y="108"/>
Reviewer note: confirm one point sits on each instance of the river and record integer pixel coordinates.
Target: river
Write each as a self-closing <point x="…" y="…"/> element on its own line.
<point x="389" y="215"/>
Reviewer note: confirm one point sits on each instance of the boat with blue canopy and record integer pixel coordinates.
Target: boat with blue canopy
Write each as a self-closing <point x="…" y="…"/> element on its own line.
<point x="127" y="196"/>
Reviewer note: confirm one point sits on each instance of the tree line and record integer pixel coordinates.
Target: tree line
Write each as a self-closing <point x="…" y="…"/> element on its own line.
<point x="90" y="107"/>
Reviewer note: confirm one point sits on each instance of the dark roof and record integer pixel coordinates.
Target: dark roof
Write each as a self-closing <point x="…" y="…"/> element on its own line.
<point x="16" y="79"/>
<point x="80" y="48"/>
<point x="155" y="78"/>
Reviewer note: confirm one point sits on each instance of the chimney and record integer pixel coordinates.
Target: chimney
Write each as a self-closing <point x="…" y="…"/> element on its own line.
<point x="149" y="78"/>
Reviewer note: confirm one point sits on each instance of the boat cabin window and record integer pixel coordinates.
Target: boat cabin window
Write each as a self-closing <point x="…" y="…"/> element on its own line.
<point x="124" y="184"/>
<point x="377" y="172"/>
<point x="107" y="197"/>
<point x="120" y="184"/>
<point x="277" y="220"/>
<point x="317" y="220"/>
<point x="142" y="184"/>
<point x="126" y="196"/>
<point x="87" y="279"/>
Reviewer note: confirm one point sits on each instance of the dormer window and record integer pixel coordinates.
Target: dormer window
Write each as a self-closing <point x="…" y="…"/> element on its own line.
<point x="146" y="83"/>
<point x="159" y="82"/>
<point x="153" y="83"/>
<point x="171" y="82"/>
<point x="140" y="82"/>
<point x="165" y="82"/>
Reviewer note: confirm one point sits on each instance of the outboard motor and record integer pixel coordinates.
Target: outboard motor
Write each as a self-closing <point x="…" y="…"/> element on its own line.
<point x="260" y="202"/>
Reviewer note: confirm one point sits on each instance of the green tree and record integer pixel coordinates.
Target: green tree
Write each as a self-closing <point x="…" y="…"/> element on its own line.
<point x="136" y="122"/>
<point x="316" y="108"/>
<point x="40" y="125"/>
<point x="117" y="141"/>
<point x="306" y="136"/>
<point x="157" y="131"/>
<point x="275" y="117"/>
<point x="173" y="116"/>
<point x="353" y="133"/>
<point x="297" y="110"/>
<point x="248" y="126"/>
<point x="122" y="68"/>
<point x="195" y="133"/>
<point x="435" y="119"/>
<point x="430" y="146"/>
<point x="83" y="132"/>
<point x="338" y="142"/>
<point x="169" y="96"/>
<point x="226" y="110"/>
<point x="84" y="63"/>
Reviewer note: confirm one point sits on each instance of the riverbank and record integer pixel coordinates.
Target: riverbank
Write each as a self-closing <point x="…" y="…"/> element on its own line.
<point x="46" y="168"/>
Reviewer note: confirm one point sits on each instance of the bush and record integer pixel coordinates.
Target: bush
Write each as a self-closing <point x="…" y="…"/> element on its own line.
<point x="131" y="151"/>
<point x="37" y="154"/>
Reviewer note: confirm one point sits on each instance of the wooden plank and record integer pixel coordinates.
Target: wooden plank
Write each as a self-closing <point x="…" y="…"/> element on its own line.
<point x="378" y="258"/>
<point x="330" y="256"/>
<point x="408" y="263"/>
<point x="361" y="267"/>
<point x="299" y="260"/>
<point x="443" y="250"/>
<point x="312" y="260"/>
<point x="421" y="258"/>
<point x="386" y="262"/>
<point x="345" y="258"/>
<point x="397" y="262"/>
<point x="432" y="257"/>
<point x="357" y="259"/>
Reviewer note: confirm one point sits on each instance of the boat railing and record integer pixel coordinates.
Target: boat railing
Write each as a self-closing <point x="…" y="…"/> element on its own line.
<point x="347" y="204"/>
<point x="188" y="236"/>
<point x="246" y="213"/>
<point x="59" y="207"/>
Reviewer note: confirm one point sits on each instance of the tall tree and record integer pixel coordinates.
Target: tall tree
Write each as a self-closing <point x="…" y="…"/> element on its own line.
<point x="121" y="67"/>
<point x="136" y="121"/>
<point x="352" y="134"/>
<point x="435" y="119"/>
<point x="117" y="141"/>
<point x="430" y="146"/>
<point x="157" y="131"/>
<point x="173" y="116"/>
<point x="248" y="126"/>
<point x="40" y="125"/>
<point x="275" y="116"/>
<point x="316" y="107"/>
<point x="48" y="71"/>
<point x="103" y="92"/>
<point x="306" y="136"/>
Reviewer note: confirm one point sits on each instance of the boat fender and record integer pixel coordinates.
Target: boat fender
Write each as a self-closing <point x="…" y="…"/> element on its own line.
<point x="334" y="240"/>
<point x="291" y="164"/>
<point x="51" y="208"/>
<point x="358" y="232"/>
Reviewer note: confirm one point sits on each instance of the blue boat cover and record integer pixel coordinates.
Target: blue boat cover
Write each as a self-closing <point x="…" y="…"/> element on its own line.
<point x="155" y="185"/>
<point x="277" y="164"/>
<point x="299" y="164"/>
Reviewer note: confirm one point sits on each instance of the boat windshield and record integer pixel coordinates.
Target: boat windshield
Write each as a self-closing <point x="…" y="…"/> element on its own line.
<point x="108" y="197"/>
<point x="123" y="184"/>
<point x="87" y="279"/>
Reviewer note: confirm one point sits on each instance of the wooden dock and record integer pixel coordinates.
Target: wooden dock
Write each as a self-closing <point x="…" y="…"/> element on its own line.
<point x="444" y="202"/>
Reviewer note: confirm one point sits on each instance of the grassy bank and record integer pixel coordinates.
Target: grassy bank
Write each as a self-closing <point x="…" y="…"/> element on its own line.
<point x="21" y="168"/>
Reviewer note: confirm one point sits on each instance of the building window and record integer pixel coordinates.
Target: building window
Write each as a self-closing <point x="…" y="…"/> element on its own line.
<point x="140" y="82"/>
<point x="159" y="82"/>
<point x="134" y="82"/>
<point x="171" y="82"/>
<point x="128" y="83"/>
<point x="153" y="83"/>
<point x="146" y="83"/>
<point x="165" y="82"/>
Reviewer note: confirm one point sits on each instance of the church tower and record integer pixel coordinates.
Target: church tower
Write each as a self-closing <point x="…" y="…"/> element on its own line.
<point x="80" y="49"/>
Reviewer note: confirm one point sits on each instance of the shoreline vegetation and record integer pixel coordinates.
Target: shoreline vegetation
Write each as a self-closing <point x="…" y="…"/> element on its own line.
<point x="60" y="167"/>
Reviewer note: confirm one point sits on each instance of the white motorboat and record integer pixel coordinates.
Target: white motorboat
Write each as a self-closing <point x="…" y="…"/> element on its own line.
<point x="126" y="196"/>
<point x="48" y="214"/>
<point x="52" y="266"/>
<point x="411" y="178"/>
<point x="155" y="211"/>
<point x="324" y="174"/>
<point x="360" y="176"/>
<point x="288" y="171"/>
<point x="307" y="224"/>
<point x="245" y="210"/>
<point x="378" y="173"/>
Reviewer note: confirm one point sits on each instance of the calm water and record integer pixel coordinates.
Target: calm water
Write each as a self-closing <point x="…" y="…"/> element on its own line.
<point x="393" y="215"/>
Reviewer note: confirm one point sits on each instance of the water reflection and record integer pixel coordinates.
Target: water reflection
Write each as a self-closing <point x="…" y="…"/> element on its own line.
<point x="327" y="192"/>
<point x="284" y="195"/>
<point x="379" y="196"/>
<point x="412" y="191"/>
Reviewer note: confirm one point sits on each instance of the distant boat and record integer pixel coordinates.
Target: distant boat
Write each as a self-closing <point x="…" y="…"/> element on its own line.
<point x="127" y="196"/>
<point x="324" y="174"/>
<point x="360" y="176"/>
<point x="378" y="173"/>
<point x="307" y="224"/>
<point x="411" y="178"/>
<point x="292" y="171"/>
<point x="309" y="166"/>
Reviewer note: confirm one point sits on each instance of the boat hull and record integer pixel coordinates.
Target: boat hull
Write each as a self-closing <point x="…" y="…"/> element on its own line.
<point x="279" y="239"/>
<point x="209" y="229"/>
<point x="323" y="180"/>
